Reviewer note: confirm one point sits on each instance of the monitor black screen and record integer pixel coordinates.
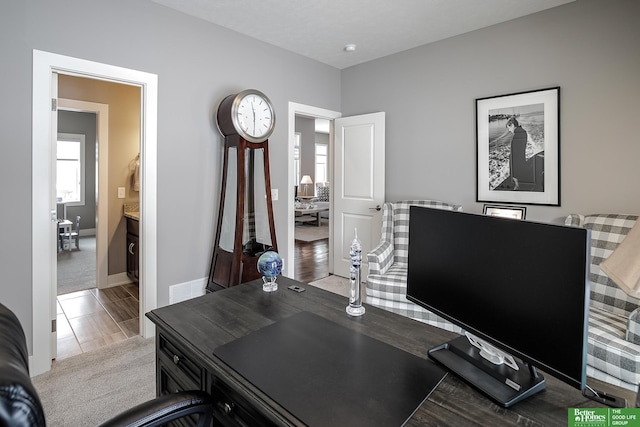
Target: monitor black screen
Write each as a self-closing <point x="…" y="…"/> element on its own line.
<point x="522" y="286"/>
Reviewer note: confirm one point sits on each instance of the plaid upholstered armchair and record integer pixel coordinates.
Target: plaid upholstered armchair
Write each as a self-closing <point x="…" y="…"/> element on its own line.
<point x="613" y="347"/>
<point x="387" y="279"/>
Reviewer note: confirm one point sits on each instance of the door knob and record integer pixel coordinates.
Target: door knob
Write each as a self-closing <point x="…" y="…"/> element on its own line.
<point x="377" y="208"/>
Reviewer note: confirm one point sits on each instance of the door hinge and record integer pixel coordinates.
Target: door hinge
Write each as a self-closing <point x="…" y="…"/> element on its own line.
<point x="53" y="325"/>
<point x="54" y="104"/>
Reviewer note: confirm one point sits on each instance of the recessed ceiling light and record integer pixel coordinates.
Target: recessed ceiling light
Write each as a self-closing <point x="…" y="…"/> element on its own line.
<point x="350" y="48"/>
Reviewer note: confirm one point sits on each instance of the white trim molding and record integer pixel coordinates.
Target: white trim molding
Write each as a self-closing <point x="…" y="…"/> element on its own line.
<point x="46" y="64"/>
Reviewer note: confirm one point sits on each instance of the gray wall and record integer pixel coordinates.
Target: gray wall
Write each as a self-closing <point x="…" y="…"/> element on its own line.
<point x="84" y="124"/>
<point x="197" y="64"/>
<point x="590" y="48"/>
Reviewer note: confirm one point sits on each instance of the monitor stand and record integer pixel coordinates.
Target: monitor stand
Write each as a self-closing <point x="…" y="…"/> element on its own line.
<point x="501" y="383"/>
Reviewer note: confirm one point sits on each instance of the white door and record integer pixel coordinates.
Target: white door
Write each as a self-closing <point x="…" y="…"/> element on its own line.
<point x="54" y="228"/>
<point x="359" y="178"/>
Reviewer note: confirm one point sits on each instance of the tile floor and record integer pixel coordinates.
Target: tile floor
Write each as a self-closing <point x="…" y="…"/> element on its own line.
<point x="91" y="319"/>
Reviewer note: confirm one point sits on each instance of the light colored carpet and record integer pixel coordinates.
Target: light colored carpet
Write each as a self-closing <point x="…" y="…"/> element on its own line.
<point x="336" y="284"/>
<point x="90" y="388"/>
<point x="77" y="268"/>
<point x="311" y="232"/>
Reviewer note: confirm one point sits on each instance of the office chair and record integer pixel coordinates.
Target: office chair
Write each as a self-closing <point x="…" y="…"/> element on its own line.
<point x="20" y="405"/>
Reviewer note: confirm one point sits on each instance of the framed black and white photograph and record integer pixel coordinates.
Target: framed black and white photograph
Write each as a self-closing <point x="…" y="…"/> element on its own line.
<point x="518" y="148"/>
<point x="513" y="212"/>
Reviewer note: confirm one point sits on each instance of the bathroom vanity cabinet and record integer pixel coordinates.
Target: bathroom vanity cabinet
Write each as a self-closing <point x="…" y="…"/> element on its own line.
<point x="133" y="249"/>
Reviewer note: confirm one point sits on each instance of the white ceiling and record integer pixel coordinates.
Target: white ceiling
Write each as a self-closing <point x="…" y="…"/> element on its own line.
<point x="320" y="29"/>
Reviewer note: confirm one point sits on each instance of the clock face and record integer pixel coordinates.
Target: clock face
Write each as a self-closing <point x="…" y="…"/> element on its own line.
<point x="253" y="116"/>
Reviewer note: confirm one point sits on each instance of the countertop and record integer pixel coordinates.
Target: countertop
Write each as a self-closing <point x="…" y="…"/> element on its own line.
<point x="132" y="210"/>
<point x="132" y="215"/>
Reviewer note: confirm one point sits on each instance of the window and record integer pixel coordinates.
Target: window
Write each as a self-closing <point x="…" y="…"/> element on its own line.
<point x="70" y="169"/>
<point x="296" y="159"/>
<point x="322" y="157"/>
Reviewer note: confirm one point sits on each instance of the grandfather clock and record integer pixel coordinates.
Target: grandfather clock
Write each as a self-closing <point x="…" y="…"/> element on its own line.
<point x="246" y="227"/>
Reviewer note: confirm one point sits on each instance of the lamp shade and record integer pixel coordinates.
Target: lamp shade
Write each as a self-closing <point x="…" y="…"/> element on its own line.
<point x="623" y="265"/>
<point x="306" y="187"/>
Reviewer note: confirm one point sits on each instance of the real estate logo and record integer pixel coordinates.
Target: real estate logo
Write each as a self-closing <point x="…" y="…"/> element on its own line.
<point x="604" y="417"/>
<point x="592" y="417"/>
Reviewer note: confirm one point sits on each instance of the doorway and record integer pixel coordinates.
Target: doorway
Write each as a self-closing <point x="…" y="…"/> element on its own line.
<point x="358" y="190"/>
<point x="44" y="225"/>
<point x="90" y="311"/>
<point x="299" y="253"/>
<point x="312" y="201"/>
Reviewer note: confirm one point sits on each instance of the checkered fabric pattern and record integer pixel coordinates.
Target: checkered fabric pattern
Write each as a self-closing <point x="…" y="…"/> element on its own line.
<point x="387" y="279"/>
<point x="609" y="352"/>
<point x="415" y="312"/>
<point x="607" y="231"/>
<point x="322" y="192"/>
<point x="613" y="349"/>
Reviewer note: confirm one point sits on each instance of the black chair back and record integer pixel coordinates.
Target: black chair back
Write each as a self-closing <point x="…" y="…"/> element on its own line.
<point x="19" y="403"/>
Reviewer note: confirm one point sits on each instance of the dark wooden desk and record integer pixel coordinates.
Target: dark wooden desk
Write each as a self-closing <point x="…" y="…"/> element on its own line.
<point x="188" y="333"/>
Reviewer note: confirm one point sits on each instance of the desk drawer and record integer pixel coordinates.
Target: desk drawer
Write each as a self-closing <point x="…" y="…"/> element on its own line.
<point x="174" y="360"/>
<point x="172" y="383"/>
<point x="231" y="410"/>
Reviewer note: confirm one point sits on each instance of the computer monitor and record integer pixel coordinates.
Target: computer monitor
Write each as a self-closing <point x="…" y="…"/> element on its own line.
<point x="519" y="288"/>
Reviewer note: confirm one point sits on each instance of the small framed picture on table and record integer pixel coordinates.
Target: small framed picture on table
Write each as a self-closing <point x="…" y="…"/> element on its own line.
<point x="513" y="212"/>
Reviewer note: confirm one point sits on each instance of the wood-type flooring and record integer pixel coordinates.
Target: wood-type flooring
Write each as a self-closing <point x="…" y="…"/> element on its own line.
<point x="311" y="260"/>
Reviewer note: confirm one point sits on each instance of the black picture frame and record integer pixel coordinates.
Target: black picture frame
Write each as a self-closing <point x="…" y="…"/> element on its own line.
<point x="504" y="211"/>
<point x="518" y="148"/>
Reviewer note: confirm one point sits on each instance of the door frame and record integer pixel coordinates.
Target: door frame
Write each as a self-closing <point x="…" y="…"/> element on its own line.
<point x="102" y="121"/>
<point x="44" y="64"/>
<point x="309" y="111"/>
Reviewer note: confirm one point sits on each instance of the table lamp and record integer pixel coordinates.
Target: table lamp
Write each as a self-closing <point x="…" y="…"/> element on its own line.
<point x="306" y="187"/>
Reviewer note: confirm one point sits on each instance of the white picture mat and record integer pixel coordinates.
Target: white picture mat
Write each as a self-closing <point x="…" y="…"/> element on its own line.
<point x="551" y="195"/>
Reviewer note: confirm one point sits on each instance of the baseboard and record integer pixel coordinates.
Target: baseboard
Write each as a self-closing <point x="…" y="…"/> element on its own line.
<point x="117" y="280"/>
<point x="177" y="293"/>
<point x="187" y="290"/>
